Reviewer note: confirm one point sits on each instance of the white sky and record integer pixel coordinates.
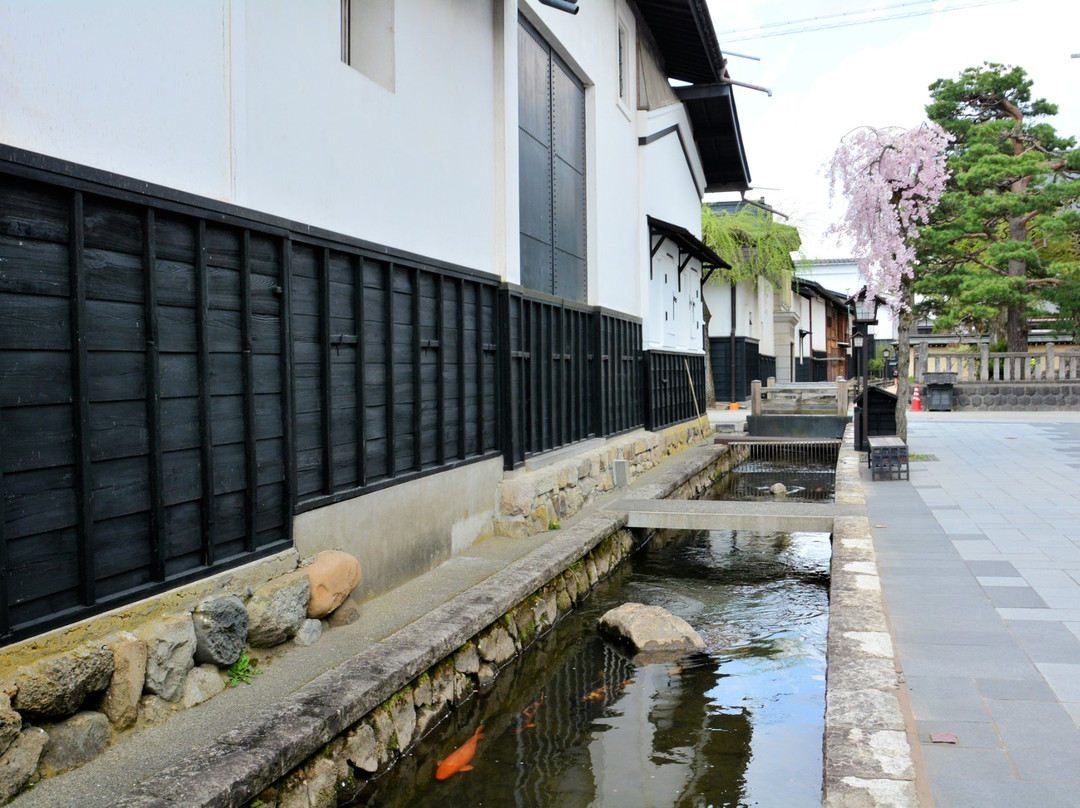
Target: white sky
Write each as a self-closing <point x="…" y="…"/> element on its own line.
<point x="826" y="83"/>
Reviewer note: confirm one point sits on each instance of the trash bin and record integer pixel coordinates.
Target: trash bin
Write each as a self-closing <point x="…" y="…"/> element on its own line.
<point x="939" y="390"/>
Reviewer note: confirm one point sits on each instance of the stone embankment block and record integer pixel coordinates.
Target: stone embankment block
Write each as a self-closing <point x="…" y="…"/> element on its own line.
<point x="868" y="758"/>
<point x="529" y="502"/>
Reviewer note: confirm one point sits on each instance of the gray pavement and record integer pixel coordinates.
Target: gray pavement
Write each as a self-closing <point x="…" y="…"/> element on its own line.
<point x="979" y="556"/>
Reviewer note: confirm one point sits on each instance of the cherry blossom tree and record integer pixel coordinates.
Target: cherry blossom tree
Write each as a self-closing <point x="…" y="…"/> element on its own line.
<point x="892" y="180"/>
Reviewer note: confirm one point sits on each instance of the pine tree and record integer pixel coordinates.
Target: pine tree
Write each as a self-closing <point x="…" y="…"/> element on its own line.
<point x="1003" y="241"/>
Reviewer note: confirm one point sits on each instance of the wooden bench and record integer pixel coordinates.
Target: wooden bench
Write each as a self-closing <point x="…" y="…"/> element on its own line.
<point x="888" y="458"/>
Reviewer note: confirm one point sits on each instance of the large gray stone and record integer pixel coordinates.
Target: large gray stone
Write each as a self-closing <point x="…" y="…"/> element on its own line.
<point x="170" y="654"/>
<point x="202" y="684"/>
<point x="75" y="742"/>
<point x="121" y="701"/>
<point x="361" y="749"/>
<point x="10" y="723"/>
<point x="221" y="628"/>
<point x="56" y="687"/>
<point x="20" y="761"/>
<point x="497" y="646"/>
<point x="309" y="633"/>
<point x="314" y="785"/>
<point x="651" y="629"/>
<point x="277" y="609"/>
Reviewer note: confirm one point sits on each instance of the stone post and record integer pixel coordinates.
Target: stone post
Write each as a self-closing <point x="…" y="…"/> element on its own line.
<point x="755" y="397"/>
<point x="921" y="358"/>
<point x="1051" y="371"/>
<point x="841" y="397"/>
<point x="770" y="382"/>
<point x="984" y="361"/>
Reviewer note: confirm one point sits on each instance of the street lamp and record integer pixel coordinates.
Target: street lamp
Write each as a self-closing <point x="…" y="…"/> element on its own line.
<point x="885" y="370"/>
<point x="865" y="306"/>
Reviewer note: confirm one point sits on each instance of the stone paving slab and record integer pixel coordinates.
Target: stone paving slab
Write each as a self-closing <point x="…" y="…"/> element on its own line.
<point x="988" y="651"/>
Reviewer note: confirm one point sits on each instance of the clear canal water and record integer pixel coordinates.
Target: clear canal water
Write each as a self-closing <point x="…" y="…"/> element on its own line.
<point x="575" y="723"/>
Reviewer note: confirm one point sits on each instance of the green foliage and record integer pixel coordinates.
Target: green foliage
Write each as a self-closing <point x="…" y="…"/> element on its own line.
<point x="1005" y="239"/>
<point x="553" y="526"/>
<point x="242" y="670"/>
<point x="756" y="246"/>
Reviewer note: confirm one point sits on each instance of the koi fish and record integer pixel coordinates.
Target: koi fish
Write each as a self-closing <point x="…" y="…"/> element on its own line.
<point x="596" y="695"/>
<point x="459" y="759"/>
<point x="525" y="719"/>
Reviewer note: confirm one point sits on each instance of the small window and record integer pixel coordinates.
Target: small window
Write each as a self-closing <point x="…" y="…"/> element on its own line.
<point x="367" y="39"/>
<point x="624" y="58"/>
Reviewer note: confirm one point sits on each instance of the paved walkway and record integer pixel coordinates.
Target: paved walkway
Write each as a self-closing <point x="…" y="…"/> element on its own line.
<point x="979" y="556"/>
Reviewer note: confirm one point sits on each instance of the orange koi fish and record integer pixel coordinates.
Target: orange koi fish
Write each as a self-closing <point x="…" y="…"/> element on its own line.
<point x="459" y="759"/>
<point x="596" y="695"/>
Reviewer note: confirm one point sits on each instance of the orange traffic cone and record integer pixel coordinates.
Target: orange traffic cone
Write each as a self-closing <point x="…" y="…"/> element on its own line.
<point x="916" y="402"/>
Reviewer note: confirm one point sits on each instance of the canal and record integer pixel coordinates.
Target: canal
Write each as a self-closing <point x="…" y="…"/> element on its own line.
<point x="574" y="722"/>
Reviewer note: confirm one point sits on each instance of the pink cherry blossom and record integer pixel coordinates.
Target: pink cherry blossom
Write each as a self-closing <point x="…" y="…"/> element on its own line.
<point x="892" y="179"/>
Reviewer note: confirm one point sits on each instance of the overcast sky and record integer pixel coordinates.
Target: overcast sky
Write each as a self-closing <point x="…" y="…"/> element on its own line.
<point x="826" y="83"/>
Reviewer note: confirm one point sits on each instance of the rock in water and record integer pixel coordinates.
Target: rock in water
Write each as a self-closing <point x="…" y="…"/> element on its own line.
<point x="651" y="630"/>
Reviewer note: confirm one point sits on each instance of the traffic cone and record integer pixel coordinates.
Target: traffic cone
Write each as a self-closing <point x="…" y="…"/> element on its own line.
<point x="916" y="402"/>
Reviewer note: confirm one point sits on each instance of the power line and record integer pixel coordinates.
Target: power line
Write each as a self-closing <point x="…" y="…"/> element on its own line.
<point x="786" y="23"/>
<point x="848" y="23"/>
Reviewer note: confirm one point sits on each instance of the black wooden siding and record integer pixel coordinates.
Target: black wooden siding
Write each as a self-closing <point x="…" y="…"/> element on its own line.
<point x="573" y="372"/>
<point x="141" y="423"/>
<point x="410" y="355"/>
<point x="747" y="367"/>
<point x="180" y="377"/>
<point x="676" y="388"/>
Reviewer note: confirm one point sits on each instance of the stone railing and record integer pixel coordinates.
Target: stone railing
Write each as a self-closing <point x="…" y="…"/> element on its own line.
<point x="1049" y="365"/>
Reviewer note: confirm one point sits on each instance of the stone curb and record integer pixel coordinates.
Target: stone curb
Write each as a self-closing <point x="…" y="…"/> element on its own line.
<point x="868" y="759"/>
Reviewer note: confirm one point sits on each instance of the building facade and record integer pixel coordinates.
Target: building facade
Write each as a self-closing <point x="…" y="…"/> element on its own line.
<point x="271" y="274"/>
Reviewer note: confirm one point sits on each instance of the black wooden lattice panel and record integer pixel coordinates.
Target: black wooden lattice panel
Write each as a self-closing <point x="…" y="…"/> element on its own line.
<point x="141" y="423"/>
<point x="676" y="385"/>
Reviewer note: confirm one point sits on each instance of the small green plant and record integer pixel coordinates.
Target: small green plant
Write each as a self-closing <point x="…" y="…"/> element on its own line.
<point x="553" y="525"/>
<point x="242" y="670"/>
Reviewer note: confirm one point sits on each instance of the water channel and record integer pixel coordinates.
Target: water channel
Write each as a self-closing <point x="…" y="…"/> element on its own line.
<point x="574" y="723"/>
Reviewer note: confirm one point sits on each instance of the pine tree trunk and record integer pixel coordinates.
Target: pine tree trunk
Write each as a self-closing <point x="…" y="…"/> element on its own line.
<point x="1016" y="332"/>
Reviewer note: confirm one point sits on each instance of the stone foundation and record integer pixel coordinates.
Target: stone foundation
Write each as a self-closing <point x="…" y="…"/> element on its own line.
<point x="1040" y="396"/>
<point x="532" y="501"/>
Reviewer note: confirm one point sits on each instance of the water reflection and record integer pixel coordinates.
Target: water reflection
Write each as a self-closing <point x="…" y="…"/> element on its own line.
<point x="575" y="723"/>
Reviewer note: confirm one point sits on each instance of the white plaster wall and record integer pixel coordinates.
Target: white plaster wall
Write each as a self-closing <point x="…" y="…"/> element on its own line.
<point x="249" y="102"/>
<point x="322" y="143"/>
<point x="671" y="194"/>
<point x="843" y="277"/>
<point x="137" y="88"/>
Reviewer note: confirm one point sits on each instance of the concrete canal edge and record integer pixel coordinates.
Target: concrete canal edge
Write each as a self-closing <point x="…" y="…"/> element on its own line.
<point x="309" y="748"/>
<point x="868" y="760"/>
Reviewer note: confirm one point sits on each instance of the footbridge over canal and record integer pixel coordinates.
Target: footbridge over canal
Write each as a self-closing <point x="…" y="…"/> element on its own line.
<point x="719" y="515"/>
